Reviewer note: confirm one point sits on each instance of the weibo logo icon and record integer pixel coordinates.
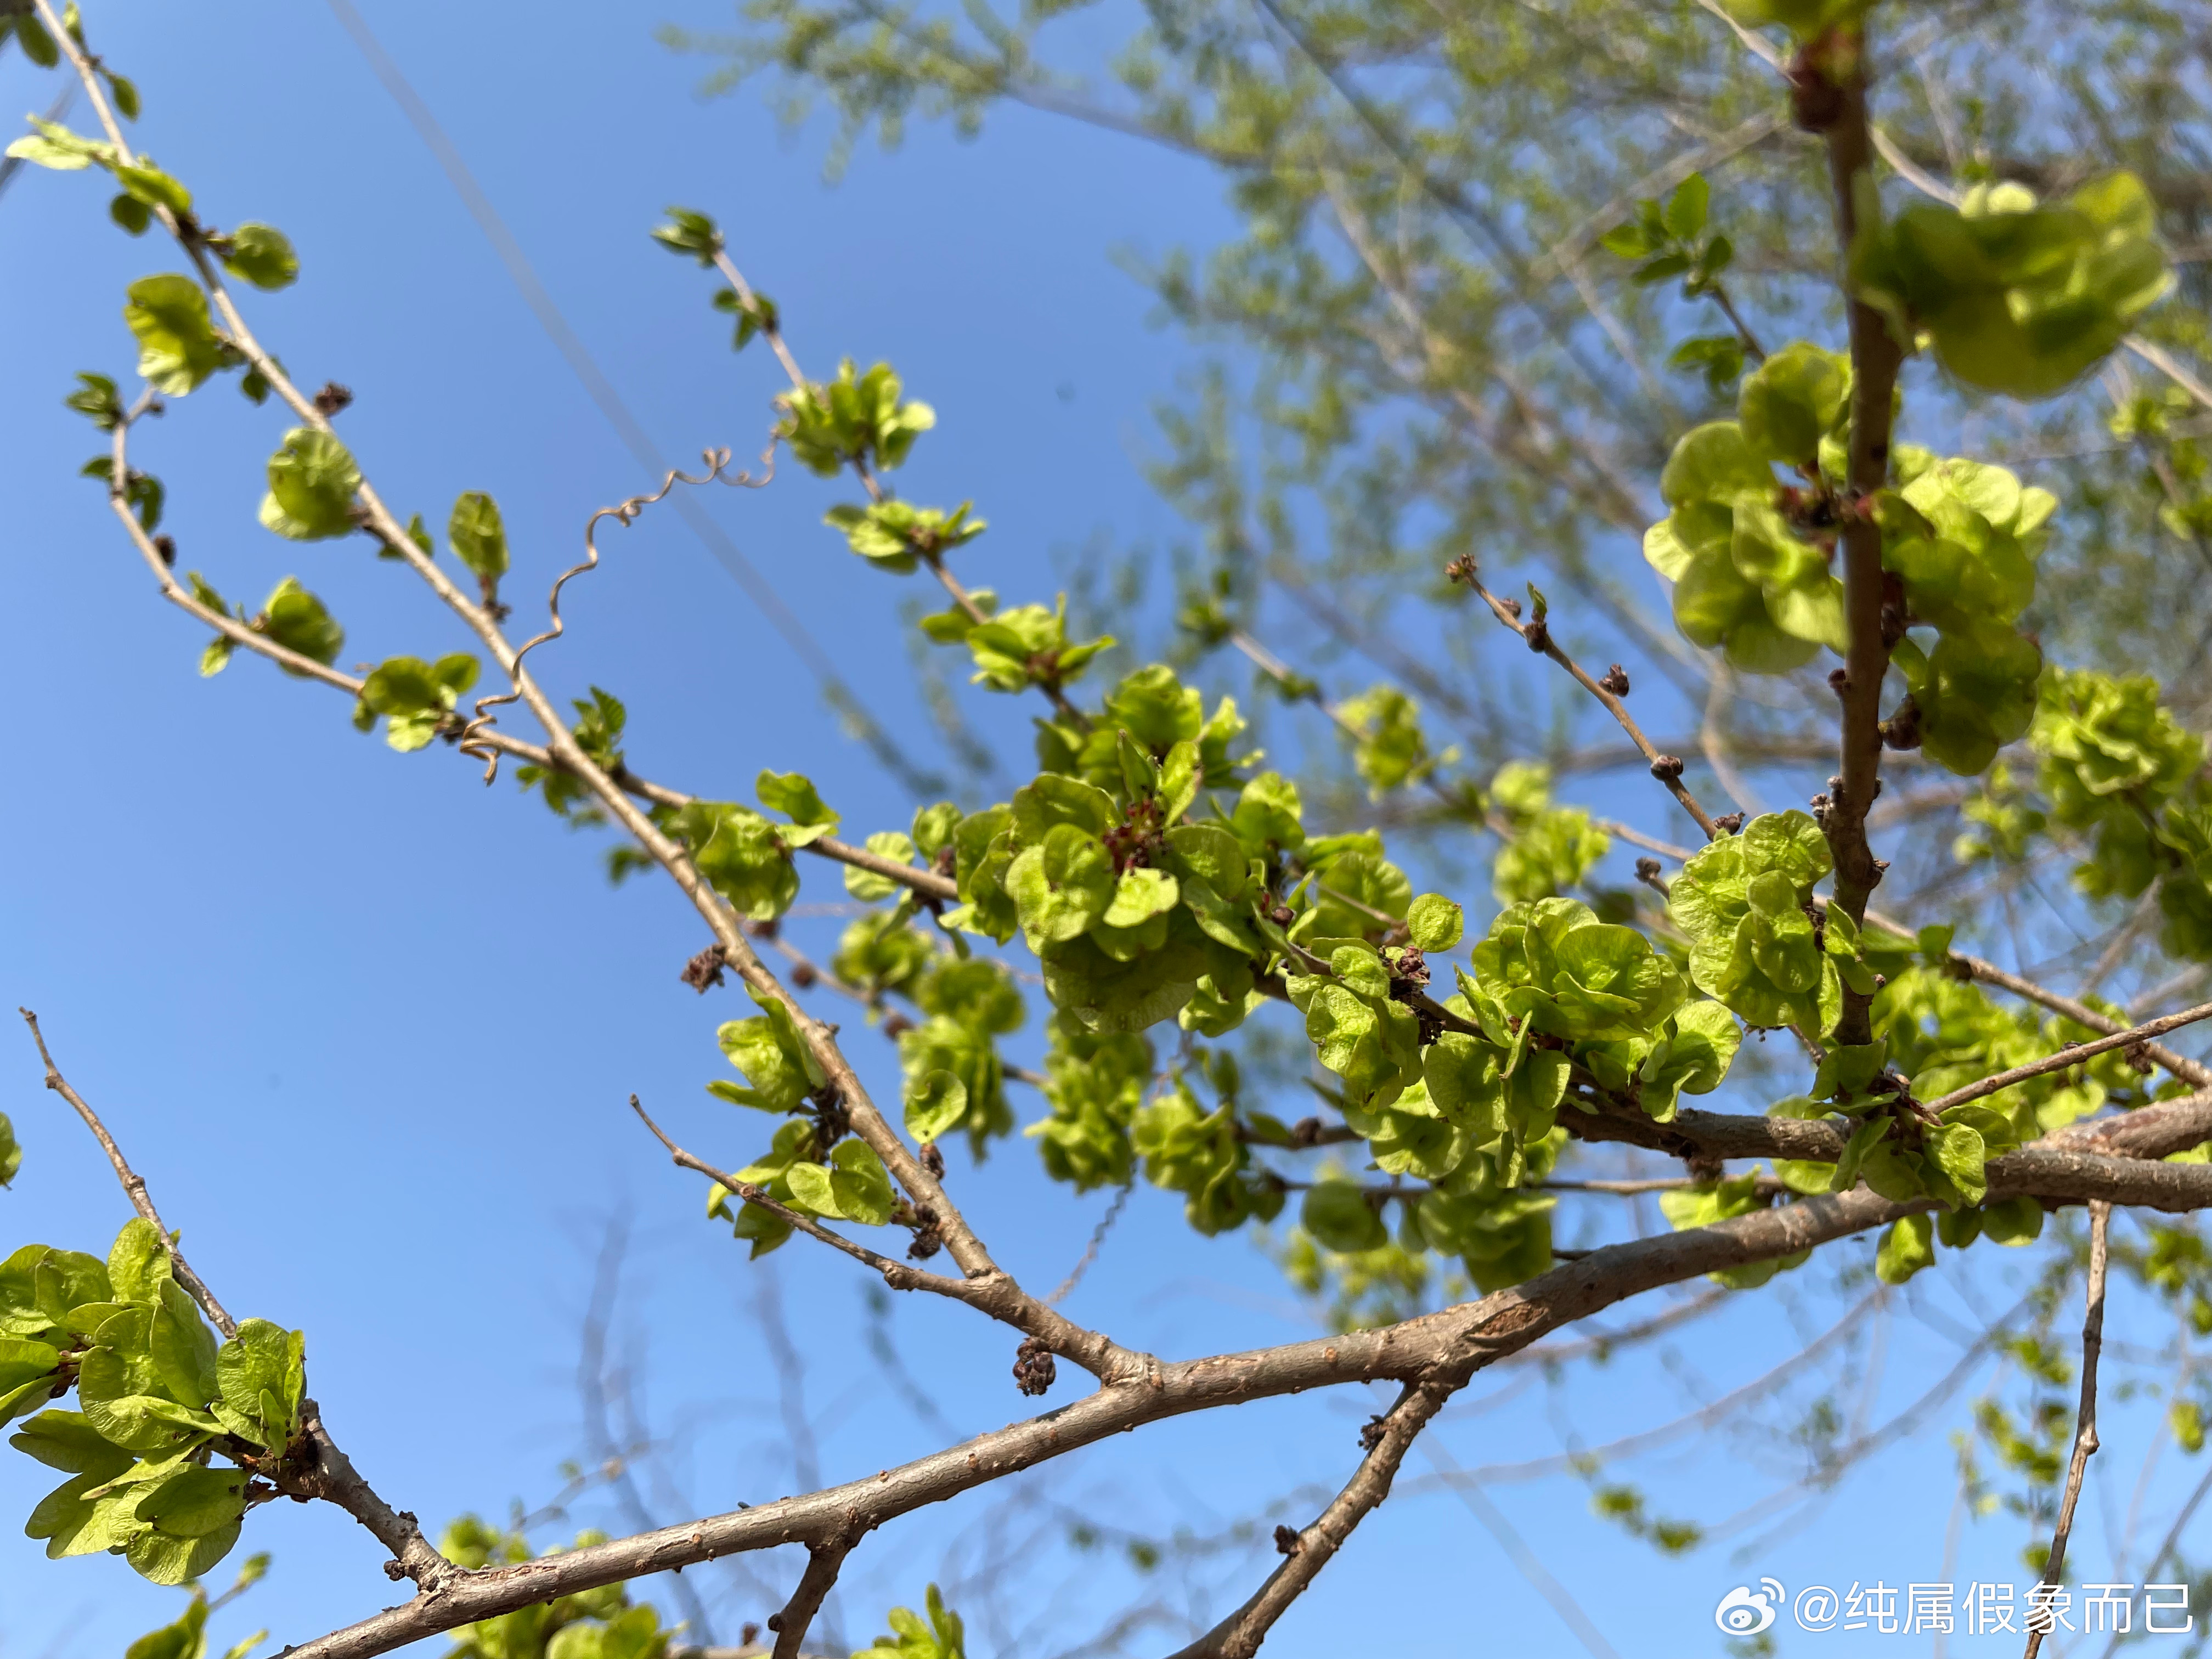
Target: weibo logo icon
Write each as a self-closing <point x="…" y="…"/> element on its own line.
<point x="1746" y="1612"/>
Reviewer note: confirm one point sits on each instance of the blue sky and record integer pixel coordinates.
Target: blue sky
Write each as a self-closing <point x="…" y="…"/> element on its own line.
<point x="368" y="1026"/>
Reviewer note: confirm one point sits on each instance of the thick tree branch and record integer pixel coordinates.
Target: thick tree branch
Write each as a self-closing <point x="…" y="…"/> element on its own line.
<point x="1842" y="74"/>
<point x="2067" y="1168"/>
<point x="1446" y="1347"/>
<point x="2150" y="1131"/>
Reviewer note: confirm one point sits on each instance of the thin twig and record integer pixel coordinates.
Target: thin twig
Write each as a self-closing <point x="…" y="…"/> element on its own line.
<point x="1585" y="236"/>
<point x="1635" y="837"/>
<point x="1090" y="1250"/>
<point x="717" y="462"/>
<point x="927" y="883"/>
<point x="2188" y="1070"/>
<point x="1296" y="687"/>
<point x="134" y="1184"/>
<point x="1539" y="1577"/>
<point x="994" y="1293"/>
<point x="2072" y="1055"/>
<point x="770" y="325"/>
<point x="899" y="1275"/>
<point x="2168" y="365"/>
<point x="2084" y="1431"/>
<point x="1537" y="634"/>
<point x="2166" y="1548"/>
<point x="1745" y="337"/>
<point x="835" y="691"/>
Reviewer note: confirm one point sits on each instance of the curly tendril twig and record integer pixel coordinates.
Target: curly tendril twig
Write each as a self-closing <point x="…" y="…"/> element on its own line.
<point x="717" y="462"/>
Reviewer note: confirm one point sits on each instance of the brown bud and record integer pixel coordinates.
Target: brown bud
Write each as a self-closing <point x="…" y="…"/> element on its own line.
<point x="332" y="398"/>
<point x="1902" y="729"/>
<point x="1729" y="824"/>
<point x="1667" y="769"/>
<point x="1647" y="870"/>
<point x="1615" y="681"/>
<point x="1034" y="1369"/>
<point x="705" y="968"/>
<point x="167" y="547"/>
<point x="1287" y="1541"/>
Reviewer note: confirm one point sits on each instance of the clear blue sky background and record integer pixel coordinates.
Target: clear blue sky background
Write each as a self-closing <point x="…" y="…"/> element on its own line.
<point x="369" y="1027"/>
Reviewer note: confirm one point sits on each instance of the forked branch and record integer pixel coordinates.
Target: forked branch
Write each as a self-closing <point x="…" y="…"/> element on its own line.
<point x="994" y="1293"/>
<point x="1387" y="1439"/>
<point x="1445" y="1347"/>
